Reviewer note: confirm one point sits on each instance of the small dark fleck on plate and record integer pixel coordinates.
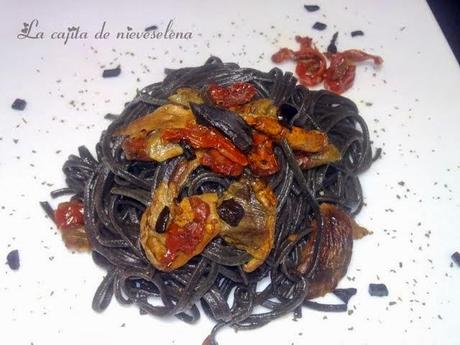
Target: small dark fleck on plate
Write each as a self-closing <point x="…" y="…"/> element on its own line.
<point x="109" y="73"/>
<point x="332" y="47"/>
<point x="12" y="259"/>
<point x="357" y="33"/>
<point x="311" y="8"/>
<point x="110" y="116"/>
<point x="378" y="290"/>
<point x="19" y="104"/>
<point x="151" y="28"/>
<point x="319" y="26"/>
<point x="456" y="258"/>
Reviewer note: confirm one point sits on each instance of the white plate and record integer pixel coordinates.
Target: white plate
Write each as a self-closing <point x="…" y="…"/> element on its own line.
<point x="413" y="116"/>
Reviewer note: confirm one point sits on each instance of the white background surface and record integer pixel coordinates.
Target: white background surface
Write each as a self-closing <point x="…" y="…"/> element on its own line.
<point x="414" y="116"/>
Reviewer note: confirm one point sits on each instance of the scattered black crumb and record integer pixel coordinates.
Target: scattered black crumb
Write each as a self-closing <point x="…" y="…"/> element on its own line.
<point x="378" y="290"/>
<point x="109" y="73"/>
<point x="19" y="104"/>
<point x="357" y="33"/>
<point x="12" y="259"/>
<point x="345" y="294"/>
<point x="319" y="26"/>
<point x="123" y="324"/>
<point x="377" y="154"/>
<point x="110" y="116"/>
<point x="332" y="47"/>
<point x="311" y="8"/>
<point x="456" y="258"/>
<point x="151" y="28"/>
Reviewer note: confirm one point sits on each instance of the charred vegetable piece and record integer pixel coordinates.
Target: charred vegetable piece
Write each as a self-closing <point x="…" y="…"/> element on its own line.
<point x="334" y="252"/>
<point x="218" y="163"/>
<point x="233" y="95"/>
<point x="262" y="159"/>
<point x="298" y="138"/>
<point x="378" y="290"/>
<point x="231" y="212"/>
<point x="184" y="96"/>
<point x="227" y="122"/>
<point x="328" y="155"/>
<point x="202" y="137"/>
<point x="261" y="106"/>
<point x="255" y="231"/>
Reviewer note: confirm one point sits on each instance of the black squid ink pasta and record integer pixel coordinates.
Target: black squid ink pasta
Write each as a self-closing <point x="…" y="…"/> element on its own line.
<point x="116" y="191"/>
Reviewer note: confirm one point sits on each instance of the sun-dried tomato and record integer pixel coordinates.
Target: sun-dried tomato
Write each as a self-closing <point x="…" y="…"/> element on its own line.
<point x="221" y="164"/>
<point x="233" y="95"/>
<point x="200" y="137"/>
<point x="262" y="159"/>
<point x="340" y="75"/>
<point x="69" y="215"/>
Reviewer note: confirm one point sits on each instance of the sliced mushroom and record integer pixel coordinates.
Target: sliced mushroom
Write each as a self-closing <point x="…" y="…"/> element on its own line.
<point x="191" y="225"/>
<point x="185" y="95"/>
<point x="330" y="154"/>
<point x="261" y="106"/>
<point x="256" y="228"/>
<point x="143" y="137"/>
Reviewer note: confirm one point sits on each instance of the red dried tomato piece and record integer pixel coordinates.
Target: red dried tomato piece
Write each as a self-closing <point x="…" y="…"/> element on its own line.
<point x="282" y="55"/>
<point x="69" y="215"/>
<point x="205" y="138"/>
<point x="186" y="238"/>
<point x="220" y="164"/>
<point x="340" y="75"/>
<point x="233" y="95"/>
<point x="262" y="159"/>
